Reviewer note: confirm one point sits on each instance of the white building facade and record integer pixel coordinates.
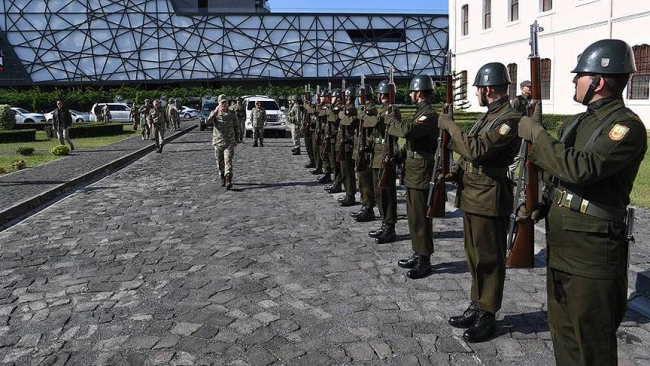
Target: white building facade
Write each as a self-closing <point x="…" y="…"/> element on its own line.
<point x="482" y="31"/>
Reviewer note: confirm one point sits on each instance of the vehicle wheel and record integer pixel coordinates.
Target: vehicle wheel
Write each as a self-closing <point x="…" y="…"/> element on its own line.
<point x="28" y="121"/>
<point x="187" y="115"/>
<point x="79" y="120"/>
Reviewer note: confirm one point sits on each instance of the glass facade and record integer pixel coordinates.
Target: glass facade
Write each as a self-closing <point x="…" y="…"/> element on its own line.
<point x="75" y="41"/>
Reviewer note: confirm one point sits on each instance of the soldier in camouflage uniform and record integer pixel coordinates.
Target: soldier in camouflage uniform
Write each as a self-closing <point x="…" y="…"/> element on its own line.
<point x="421" y="143"/>
<point x="386" y="197"/>
<point x="159" y="120"/>
<point x="172" y="115"/>
<point x="296" y="112"/>
<point x="362" y="149"/>
<point x="258" y="120"/>
<point x="225" y="136"/>
<point x="591" y="167"/>
<point x="144" y="125"/>
<point x="240" y="113"/>
<point x="486" y="196"/>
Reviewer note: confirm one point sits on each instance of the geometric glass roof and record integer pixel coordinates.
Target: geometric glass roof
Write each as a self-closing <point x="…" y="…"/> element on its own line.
<point x="73" y="41"/>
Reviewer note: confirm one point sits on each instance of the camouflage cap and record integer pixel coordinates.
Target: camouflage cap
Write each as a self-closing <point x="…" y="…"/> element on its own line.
<point x="222" y="98"/>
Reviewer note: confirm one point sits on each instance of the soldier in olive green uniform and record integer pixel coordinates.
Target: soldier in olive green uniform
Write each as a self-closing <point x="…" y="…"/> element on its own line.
<point x="348" y="124"/>
<point x="330" y="165"/>
<point x="319" y="120"/>
<point x="363" y="145"/>
<point x="386" y="197"/>
<point x="240" y="114"/>
<point x="485" y="196"/>
<point x="225" y="136"/>
<point x="421" y="135"/>
<point x="296" y="111"/>
<point x="592" y="166"/>
<point x="307" y="127"/>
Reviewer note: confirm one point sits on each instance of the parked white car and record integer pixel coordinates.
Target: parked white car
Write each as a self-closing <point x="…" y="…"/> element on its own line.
<point x="25" y="116"/>
<point x="120" y="112"/>
<point x="187" y="112"/>
<point x="276" y="120"/>
<point x="76" y="116"/>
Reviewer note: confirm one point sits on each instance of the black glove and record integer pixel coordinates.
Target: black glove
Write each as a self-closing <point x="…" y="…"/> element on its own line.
<point x="530" y="127"/>
<point x="538" y="214"/>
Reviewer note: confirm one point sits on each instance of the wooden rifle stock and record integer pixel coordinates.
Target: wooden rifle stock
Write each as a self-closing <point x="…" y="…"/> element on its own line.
<point x="522" y="246"/>
<point x="387" y="178"/>
<point x="360" y="163"/>
<point x="306" y="118"/>
<point x="340" y="153"/>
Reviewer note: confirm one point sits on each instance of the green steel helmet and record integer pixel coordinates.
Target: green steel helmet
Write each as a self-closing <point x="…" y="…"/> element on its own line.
<point x="383" y="88"/>
<point x="421" y="82"/>
<point x="323" y="92"/>
<point x="336" y="92"/>
<point x="368" y="89"/>
<point x="492" y="73"/>
<point x="607" y="56"/>
<point x="351" y="92"/>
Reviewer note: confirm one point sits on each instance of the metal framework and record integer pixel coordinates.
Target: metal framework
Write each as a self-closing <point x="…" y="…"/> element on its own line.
<point x="109" y="41"/>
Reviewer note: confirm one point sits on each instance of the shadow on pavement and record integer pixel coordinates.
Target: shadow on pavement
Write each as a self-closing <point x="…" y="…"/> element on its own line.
<point x="450" y="267"/>
<point x="525" y="323"/>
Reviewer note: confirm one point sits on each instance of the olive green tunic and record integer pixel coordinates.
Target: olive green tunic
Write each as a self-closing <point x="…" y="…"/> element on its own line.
<point x="596" y="161"/>
<point x="386" y="197"/>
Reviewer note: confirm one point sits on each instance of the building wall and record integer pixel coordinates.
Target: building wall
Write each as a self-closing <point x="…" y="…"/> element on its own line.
<point x="568" y="29"/>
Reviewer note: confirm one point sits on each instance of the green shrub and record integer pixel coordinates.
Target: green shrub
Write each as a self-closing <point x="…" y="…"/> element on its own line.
<point x="19" y="164"/>
<point x="60" y="150"/>
<point x="25" y="150"/>
<point x="7" y="117"/>
<point x="49" y="131"/>
<point x="17" y="135"/>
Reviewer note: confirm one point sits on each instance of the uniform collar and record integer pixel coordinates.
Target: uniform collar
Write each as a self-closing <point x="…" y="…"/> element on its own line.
<point x="497" y="104"/>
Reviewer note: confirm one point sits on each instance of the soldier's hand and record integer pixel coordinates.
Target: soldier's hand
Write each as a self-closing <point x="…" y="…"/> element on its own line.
<point x="530" y="127"/>
<point x="445" y="120"/>
<point x="538" y="213"/>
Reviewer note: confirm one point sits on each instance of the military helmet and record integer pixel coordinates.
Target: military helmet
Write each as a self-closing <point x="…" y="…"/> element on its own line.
<point x="350" y="91"/>
<point x="336" y="92"/>
<point x="492" y="73"/>
<point x="222" y="98"/>
<point x="323" y="92"/>
<point x="368" y="90"/>
<point x="421" y="82"/>
<point x="383" y="88"/>
<point x="607" y="56"/>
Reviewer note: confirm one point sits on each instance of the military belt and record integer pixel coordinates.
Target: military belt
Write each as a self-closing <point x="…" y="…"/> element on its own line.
<point x="572" y="201"/>
<point x="419" y="155"/>
<point x="475" y="168"/>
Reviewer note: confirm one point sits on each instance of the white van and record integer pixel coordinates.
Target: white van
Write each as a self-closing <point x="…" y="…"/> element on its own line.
<point x="120" y="112"/>
<point x="276" y="120"/>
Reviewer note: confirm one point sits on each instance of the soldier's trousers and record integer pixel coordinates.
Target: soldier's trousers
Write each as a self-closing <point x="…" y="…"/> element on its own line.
<point x="318" y="157"/>
<point x="347" y="172"/>
<point x="258" y="134"/>
<point x="224" y="156"/>
<point x="159" y="135"/>
<point x="366" y="187"/>
<point x="309" y="146"/>
<point x="295" y="134"/>
<point x="485" y="252"/>
<point x="420" y="226"/>
<point x="335" y="166"/>
<point x="583" y="316"/>
<point x="242" y="129"/>
<point x="386" y="199"/>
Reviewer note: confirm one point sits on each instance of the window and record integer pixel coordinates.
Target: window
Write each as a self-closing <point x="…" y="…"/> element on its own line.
<point x="464" y="20"/>
<point x="638" y="86"/>
<point x="546" y="78"/>
<point x="463" y="84"/>
<point x="512" y="89"/>
<point x="514" y="10"/>
<point x="547" y="5"/>
<point x="487" y="14"/>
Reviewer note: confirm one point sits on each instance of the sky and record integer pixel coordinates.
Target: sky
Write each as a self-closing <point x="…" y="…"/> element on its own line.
<point x="360" y="6"/>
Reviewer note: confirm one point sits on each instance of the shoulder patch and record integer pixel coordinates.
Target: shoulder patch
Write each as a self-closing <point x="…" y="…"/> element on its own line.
<point x="504" y="129"/>
<point x="618" y="132"/>
<point x="421" y="119"/>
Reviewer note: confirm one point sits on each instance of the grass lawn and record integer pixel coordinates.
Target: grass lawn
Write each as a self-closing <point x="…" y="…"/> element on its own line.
<point x="42" y="147"/>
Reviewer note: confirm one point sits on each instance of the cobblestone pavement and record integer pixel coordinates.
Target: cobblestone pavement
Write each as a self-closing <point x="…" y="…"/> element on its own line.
<point x="158" y="265"/>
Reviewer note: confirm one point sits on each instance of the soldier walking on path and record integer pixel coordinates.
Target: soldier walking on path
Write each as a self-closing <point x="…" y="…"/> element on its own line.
<point x="591" y="167"/>
<point x="386" y="197"/>
<point x="225" y="136"/>
<point x="159" y="121"/>
<point x="486" y="196"/>
<point x="420" y="134"/>
<point x="62" y="121"/>
<point x="258" y="119"/>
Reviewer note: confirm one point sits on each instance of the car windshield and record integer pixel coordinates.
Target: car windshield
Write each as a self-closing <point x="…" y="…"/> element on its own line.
<point x="22" y="110"/>
<point x="208" y="107"/>
<point x="266" y="104"/>
<point x="74" y="112"/>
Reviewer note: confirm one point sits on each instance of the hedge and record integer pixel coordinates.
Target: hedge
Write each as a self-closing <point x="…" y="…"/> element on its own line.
<point x="31" y="126"/>
<point x="18" y="136"/>
<point x="76" y="131"/>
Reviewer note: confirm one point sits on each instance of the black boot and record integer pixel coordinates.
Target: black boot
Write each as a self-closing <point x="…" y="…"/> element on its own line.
<point x="223" y="181"/>
<point x="327" y="178"/>
<point x="366" y="214"/>
<point x="482" y="329"/>
<point x="422" y="269"/>
<point x="387" y="236"/>
<point x="228" y="181"/>
<point x="357" y="213"/>
<point x="311" y="164"/>
<point x="336" y="188"/>
<point x="296" y="151"/>
<point x="261" y="143"/>
<point x="467" y="318"/>
<point x="409" y="262"/>
<point x="377" y="232"/>
<point x="317" y="171"/>
<point x="255" y="143"/>
<point x="348" y="201"/>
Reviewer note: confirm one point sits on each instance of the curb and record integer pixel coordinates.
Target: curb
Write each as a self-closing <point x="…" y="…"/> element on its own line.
<point x="11" y="215"/>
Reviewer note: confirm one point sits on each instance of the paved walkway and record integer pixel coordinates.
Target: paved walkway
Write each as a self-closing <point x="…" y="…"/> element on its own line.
<point x="157" y="265"/>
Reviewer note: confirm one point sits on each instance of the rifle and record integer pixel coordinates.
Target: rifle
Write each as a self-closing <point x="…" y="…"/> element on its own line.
<point x="360" y="164"/>
<point x="327" y="146"/>
<point x="437" y="192"/>
<point x="387" y="176"/>
<point x="340" y="153"/>
<point x="521" y="238"/>
<point x="306" y="117"/>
